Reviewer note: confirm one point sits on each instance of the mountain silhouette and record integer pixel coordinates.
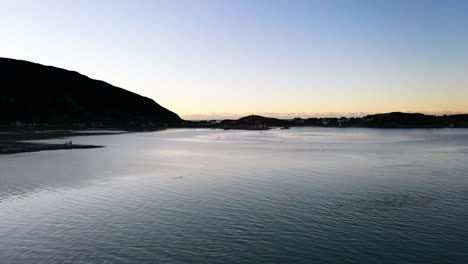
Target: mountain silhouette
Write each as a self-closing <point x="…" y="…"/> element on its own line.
<point x="32" y="93"/>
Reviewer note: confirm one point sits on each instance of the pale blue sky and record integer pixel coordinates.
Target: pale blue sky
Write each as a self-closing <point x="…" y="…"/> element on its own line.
<point x="205" y="58"/>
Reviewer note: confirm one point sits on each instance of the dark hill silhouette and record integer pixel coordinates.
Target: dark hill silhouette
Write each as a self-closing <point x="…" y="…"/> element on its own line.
<point x="399" y="119"/>
<point x="414" y="120"/>
<point x="255" y="122"/>
<point x="37" y="94"/>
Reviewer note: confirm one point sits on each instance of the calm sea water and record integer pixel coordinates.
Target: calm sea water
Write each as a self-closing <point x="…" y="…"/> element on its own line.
<point x="304" y="195"/>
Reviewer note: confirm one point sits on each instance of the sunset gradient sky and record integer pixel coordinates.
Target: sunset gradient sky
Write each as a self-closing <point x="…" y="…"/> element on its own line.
<point x="209" y="59"/>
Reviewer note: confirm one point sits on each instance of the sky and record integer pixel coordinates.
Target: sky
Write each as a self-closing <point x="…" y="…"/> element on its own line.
<point x="210" y="59"/>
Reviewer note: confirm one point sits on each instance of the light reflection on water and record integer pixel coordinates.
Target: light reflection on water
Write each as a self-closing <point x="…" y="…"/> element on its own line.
<point x="210" y="196"/>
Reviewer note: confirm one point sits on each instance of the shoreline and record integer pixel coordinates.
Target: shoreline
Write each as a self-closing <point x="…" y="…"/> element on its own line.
<point x="15" y="142"/>
<point x="21" y="147"/>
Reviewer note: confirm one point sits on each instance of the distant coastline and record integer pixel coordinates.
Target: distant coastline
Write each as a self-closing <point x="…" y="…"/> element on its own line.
<point x="14" y="138"/>
<point x="257" y="122"/>
<point x="385" y="120"/>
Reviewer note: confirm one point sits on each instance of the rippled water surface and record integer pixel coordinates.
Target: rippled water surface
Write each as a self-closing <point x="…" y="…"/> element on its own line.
<point x="304" y="195"/>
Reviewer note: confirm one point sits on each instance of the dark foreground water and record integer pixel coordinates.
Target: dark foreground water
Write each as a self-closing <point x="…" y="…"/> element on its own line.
<point x="309" y="195"/>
